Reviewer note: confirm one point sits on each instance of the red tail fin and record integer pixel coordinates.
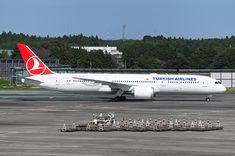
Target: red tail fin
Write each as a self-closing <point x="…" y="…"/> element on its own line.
<point x="33" y="64"/>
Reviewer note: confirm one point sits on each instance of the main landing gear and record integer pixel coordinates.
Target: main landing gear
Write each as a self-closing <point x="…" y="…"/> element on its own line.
<point x="119" y="98"/>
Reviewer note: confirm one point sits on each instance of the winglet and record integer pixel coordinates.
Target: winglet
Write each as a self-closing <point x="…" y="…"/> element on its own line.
<point x="33" y="64"/>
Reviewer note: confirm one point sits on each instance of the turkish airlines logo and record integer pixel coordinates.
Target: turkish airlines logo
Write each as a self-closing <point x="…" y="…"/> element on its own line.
<point x="34" y="66"/>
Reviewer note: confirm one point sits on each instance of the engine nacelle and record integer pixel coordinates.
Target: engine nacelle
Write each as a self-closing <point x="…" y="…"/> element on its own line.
<point x="143" y="92"/>
<point x="105" y="89"/>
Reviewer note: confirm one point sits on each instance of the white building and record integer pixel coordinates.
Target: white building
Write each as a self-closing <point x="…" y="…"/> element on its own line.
<point x="8" y="51"/>
<point x="107" y="49"/>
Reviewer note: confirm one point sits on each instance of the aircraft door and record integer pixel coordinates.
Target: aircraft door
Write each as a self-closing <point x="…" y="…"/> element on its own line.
<point x="57" y="82"/>
<point x="204" y="84"/>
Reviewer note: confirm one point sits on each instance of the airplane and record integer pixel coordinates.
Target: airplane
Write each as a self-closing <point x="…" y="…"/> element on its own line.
<point x="122" y="86"/>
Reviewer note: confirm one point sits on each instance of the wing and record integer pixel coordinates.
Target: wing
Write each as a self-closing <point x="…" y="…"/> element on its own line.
<point x="113" y="85"/>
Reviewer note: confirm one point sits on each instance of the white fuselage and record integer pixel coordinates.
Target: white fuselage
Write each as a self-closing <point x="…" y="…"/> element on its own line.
<point x="161" y="83"/>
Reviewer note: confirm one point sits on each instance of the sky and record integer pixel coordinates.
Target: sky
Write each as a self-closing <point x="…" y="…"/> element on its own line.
<point x="105" y="18"/>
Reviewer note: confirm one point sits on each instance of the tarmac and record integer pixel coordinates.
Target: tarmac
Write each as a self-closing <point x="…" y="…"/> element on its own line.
<point x="29" y="123"/>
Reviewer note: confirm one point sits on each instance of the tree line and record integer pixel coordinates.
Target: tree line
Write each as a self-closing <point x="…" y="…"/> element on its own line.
<point x="151" y="52"/>
<point x="178" y="53"/>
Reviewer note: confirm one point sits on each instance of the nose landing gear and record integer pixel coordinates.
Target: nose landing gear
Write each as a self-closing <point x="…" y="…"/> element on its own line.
<point x="208" y="98"/>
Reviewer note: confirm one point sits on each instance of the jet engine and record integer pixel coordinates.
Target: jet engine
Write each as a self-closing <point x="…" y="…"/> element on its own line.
<point x="143" y="92"/>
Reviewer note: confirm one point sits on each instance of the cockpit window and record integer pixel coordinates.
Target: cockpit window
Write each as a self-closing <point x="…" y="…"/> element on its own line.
<point x="217" y="82"/>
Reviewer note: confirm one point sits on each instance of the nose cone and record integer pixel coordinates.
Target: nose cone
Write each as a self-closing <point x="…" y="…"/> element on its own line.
<point x="222" y="89"/>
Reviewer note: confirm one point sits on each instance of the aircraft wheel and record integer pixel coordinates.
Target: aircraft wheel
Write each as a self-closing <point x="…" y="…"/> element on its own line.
<point x="122" y="98"/>
<point x="208" y="99"/>
<point x="119" y="98"/>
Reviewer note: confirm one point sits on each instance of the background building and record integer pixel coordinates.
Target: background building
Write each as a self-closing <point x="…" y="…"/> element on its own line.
<point x="113" y="51"/>
<point x="7" y="51"/>
<point x="107" y="49"/>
